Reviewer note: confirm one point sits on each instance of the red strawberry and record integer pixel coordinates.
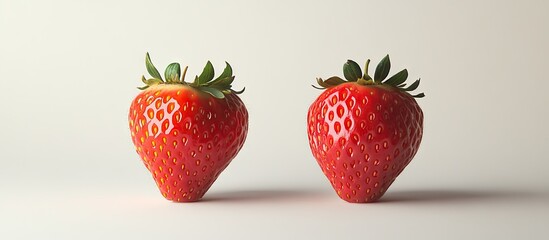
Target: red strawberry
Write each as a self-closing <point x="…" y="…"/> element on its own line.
<point x="363" y="132"/>
<point x="187" y="133"/>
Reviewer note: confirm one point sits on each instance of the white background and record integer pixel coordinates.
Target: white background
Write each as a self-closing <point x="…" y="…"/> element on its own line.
<point x="69" y="70"/>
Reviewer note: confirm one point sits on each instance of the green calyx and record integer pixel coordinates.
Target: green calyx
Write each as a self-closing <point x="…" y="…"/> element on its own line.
<point x="205" y="82"/>
<point x="353" y="73"/>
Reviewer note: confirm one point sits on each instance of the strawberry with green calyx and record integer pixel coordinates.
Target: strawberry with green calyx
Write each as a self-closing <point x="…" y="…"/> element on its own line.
<point x="364" y="131"/>
<point x="187" y="133"/>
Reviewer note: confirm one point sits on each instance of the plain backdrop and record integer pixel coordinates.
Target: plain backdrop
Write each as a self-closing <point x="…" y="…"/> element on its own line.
<point x="69" y="70"/>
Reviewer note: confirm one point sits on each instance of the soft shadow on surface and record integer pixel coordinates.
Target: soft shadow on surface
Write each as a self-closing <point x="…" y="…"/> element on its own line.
<point x="264" y="195"/>
<point x="452" y="195"/>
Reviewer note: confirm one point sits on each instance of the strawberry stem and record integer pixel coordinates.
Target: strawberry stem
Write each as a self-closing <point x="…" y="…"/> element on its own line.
<point x="205" y="82"/>
<point x="184" y="73"/>
<point x="352" y="73"/>
<point x="366" y="76"/>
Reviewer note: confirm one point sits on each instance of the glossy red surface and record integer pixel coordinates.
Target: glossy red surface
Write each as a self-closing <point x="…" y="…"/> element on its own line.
<point x="363" y="137"/>
<point x="186" y="138"/>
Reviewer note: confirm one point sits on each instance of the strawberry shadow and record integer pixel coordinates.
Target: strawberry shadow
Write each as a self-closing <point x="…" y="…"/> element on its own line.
<point x="456" y="195"/>
<point x="263" y="195"/>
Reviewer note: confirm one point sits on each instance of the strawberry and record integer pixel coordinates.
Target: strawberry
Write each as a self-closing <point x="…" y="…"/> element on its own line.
<point x="363" y="132"/>
<point x="187" y="133"/>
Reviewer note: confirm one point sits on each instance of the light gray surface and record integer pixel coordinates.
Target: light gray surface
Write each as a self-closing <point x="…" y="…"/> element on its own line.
<point x="68" y="71"/>
<point x="278" y="213"/>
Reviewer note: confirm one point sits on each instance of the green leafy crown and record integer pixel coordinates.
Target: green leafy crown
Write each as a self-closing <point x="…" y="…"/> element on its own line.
<point x="352" y="73"/>
<point x="205" y="82"/>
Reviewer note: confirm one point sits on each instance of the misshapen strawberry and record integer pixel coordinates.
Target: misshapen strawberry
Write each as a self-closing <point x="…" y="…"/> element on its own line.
<point x="187" y="133"/>
<point x="363" y="132"/>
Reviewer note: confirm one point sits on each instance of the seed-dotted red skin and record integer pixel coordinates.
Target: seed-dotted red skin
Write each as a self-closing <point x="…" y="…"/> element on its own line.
<point x="363" y="137"/>
<point x="186" y="138"/>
